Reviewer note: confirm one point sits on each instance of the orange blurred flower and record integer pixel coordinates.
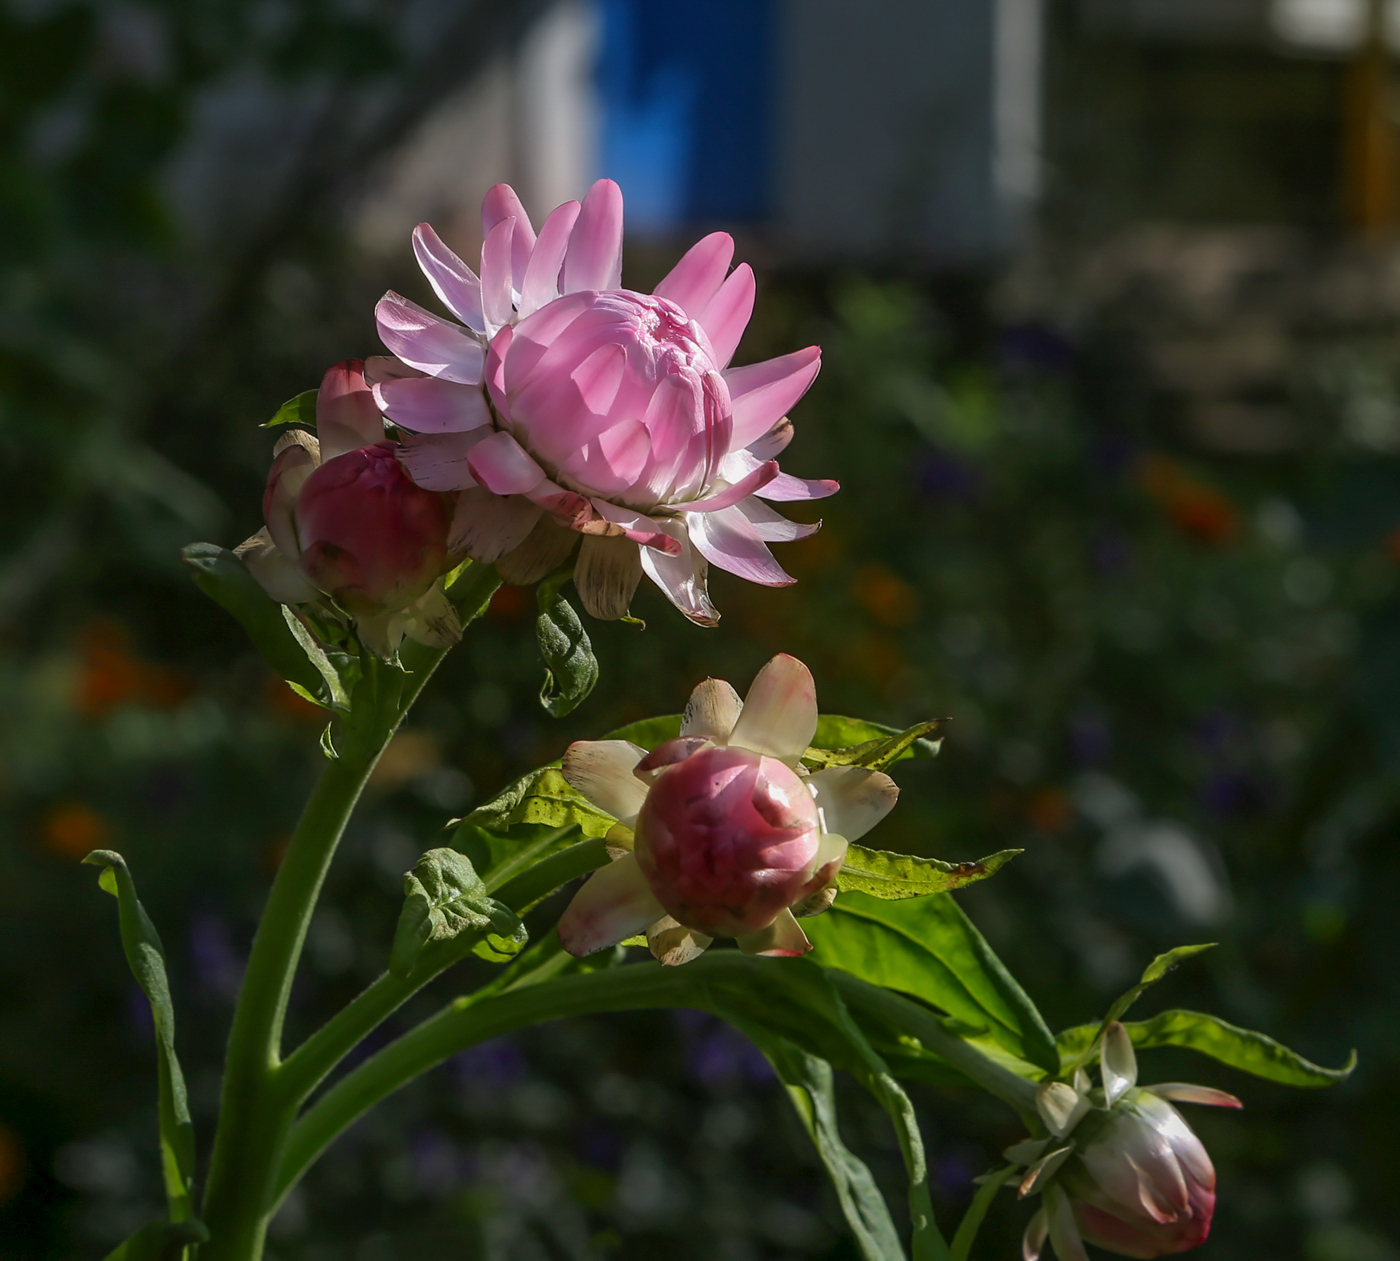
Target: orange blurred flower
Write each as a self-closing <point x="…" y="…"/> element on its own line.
<point x="74" y="830"/>
<point x="1049" y="810"/>
<point x="510" y="604"/>
<point x="1198" y="510"/>
<point x="886" y="596"/>
<point x="13" y="1164"/>
<point x="110" y="674"/>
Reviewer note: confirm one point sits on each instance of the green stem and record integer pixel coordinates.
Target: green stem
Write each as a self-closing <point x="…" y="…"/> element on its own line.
<point x="976" y="1211"/>
<point x="252" y="1119"/>
<point x="924" y="1024"/>
<point x="318" y="1056"/>
<point x="478" y="1018"/>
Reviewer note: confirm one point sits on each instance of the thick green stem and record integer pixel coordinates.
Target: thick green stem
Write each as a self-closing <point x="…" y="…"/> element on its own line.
<point x="475" y="1019"/>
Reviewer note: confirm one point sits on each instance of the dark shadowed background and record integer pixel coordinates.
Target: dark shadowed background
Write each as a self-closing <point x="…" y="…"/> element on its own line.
<point x="1109" y="296"/>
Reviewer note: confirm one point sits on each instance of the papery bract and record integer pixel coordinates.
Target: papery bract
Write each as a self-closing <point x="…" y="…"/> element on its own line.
<point x="727" y="835"/>
<point x="343" y="520"/>
<point x="612" y="414"/>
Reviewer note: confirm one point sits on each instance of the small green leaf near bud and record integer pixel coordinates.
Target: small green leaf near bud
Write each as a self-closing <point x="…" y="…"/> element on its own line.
<point x="853" y="742"/>
<point x="300" y="410"/>
<point x="444" y="898"/>
<point x="571" y="669"/>
<point x="894" y="876"/>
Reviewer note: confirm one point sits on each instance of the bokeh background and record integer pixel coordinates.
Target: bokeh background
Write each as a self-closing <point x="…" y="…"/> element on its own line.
<point x="1109" y="295"/>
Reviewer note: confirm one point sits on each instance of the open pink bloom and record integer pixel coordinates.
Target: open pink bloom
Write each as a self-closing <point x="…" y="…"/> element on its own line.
<point x="1134" y="1179"/>
<point x="722" y="833"/>
<point x="345" y="521"/>
<point x="605" y="412"/>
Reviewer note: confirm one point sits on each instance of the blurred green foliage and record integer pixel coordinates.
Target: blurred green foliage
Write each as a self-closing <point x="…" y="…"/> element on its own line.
<point x="1172" y="679"/>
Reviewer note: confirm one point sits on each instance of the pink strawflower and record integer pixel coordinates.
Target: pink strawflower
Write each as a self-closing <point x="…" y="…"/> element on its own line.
<point x="722" y="831"/>
<point x="1122" y="1169"/>
<point x="605" y="413"/>
<point x="344" y="521"/>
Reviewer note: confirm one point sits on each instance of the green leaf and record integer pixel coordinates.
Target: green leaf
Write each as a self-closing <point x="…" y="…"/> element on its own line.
<point x="300" y="410"/>
<point x="858" y="747"/>
<point x="1154" y="972"/>
<point x="542" y="797"/>
<point x="571" y="669"/>
<point x="928" y="948"/>
<point x="160" y="1241"/>
<point x="146" y="958"/>
<point x="1239" y="1048"/>
<point x="539" y="877"/>
<point x="222" y="577"/>
<point x="894" y="876"/>
<point x="649" y="732"/>
<point x="444" y="899"/>
<point x="810" y="1087"/>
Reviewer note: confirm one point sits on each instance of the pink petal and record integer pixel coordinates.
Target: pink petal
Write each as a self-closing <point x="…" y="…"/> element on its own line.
<point x="502" y="465"/>
<point x="546" y="261"/>
<point x="637" y="526"/>
<point x="788" y="489"/>
<point x="594" y="257"/>
<point x="567" y="507"/>
<point x="773" y="527"/>
<point x="726" y="315"/>
<point x="536" y="334"/>
<point x="773" y="443"/>
<point x="289" y="471"/>
<point x="431" y="405"/>
<point x="487" y="526"/>
<point x="452" y="280"/>
<point x="731" y="495"/>
<point x="380" y="368"/>
<point x="496" y="298"/>
<point x="681" y="578"/>
<point x="727" y="538"/>
<point x="599" y="376"/>
<point x="779" y="717"/>
<point x="1184" y="1092"/>
<point x="782" y="939"/>
<point x="500" y="203"/>
<point x="602" y="771"/>
<point x="613" y="461"/>
<point x="346" y="414"/>
<point x="438" y="461"/>
<point x="427" y="343"/>
<point x="496" y="367"/>
<point x="615" y="903"/>
<point x="693" y="281"/>
<point x="762" y="393"/>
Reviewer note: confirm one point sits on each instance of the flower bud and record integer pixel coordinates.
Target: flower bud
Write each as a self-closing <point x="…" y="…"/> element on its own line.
<point x="369" y="537"/>
<point x="1143" y="1185"/>
<point x="727" y="839"/>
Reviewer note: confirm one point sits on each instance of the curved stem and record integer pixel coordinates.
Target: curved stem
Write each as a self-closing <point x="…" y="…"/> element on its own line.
<point x="904" y="1013"/>
<point x="478" y="1018"/>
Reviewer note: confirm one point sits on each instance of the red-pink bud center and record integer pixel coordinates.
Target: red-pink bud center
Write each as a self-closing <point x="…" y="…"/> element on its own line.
<point x="369" y="536"/>
<point x="727" y="838"/>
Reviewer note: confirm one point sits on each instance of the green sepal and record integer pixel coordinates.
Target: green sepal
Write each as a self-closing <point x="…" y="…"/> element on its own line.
<point x="928" y="948"/>
<point x="570" y="668"/>
<point x="300" y="410"/>
<point x="444" y="899"/>
<point x="649" y="732"/>
<point x="1244" y="1049"/>
<point x="225" y="580"/>
<point x="892" y="877"/>
<point x="160" y="1241"/>
<point x="338" y="671"/>
<point x="847" y="742"/>
<point x="146" y="958"/>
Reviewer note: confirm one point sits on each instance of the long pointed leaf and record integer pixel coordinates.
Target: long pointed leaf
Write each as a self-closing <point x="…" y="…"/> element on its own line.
<point x="146" y="959"/>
